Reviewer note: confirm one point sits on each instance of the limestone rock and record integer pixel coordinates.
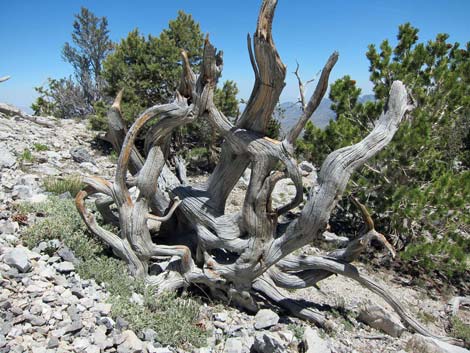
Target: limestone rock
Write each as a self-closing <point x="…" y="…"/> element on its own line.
<point x="65" y="267"/>
<point x="306" y="167"/>
<point x="420" y="344"/>
<point x="268" y="342"/>
<point x="10" y="110"/>
<point x="314" y="343"/>
<point x="7" y="159"/>
<point x="131" y="343"/>
<point x="265" y="318"/>
<point x="18" y="258"/>
<point x="378" y="318"/>
<point x="233" y="345"/>
<point x="80" y="155"/>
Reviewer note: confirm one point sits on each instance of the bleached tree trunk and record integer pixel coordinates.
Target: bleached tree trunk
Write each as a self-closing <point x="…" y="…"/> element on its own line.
<point x="238" y="257"/>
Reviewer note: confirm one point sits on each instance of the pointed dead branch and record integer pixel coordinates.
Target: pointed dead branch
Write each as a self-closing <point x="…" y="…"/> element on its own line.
<point x="242" y="256"/>
<point x="314" y="101"/>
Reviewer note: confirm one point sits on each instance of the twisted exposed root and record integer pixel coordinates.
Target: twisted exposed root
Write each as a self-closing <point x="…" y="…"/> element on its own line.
<point x="318" y="265"/>
<point x="266" y="287"/>
<point x="121" y="247"/>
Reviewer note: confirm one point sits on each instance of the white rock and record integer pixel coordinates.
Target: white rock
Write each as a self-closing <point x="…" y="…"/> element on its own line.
<point x="161" y="350"/>
<point x="65" y="267"/>
<point x="222" y="316"/>
<point x="137" y="298"/>
<point x="8" y="227"/>
<point x="18" y="258"/>
<point x="81" y="344"/>
<point x="37" y="198"/>
<point x="265" y="318"/>
<point x="22" y="192"/>
<point x="233" y="345"/>
<point x="306" y="166"/>
<point x="90" y="167"/>
<point x="131" y="343"/>
<point x="314" y="343"/>
<point x="420" y="344"/>
<point x="268" y="342"/>
<point x="378" y="318"/>
<point x="103" y="308"/>
<point x="100" y="339"/>
<point x="7" y="159"/>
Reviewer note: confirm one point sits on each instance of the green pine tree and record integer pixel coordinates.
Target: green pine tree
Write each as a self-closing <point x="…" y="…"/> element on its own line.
<point x="420" y="184"/>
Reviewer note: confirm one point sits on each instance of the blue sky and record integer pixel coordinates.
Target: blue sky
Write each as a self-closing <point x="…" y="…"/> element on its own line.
<point x="32" y="34"/>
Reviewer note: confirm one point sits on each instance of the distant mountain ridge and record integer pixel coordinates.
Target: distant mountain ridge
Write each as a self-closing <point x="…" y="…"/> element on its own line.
<point x="321" y="117"/>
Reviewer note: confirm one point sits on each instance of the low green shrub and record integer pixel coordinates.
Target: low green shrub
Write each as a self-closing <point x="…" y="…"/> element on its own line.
<point x="173" y="318"/>
<point x="297" y="329"/>
<point x="198" y="152"/>
<point x="71" y="183"/>
<point x="60" y="221"/>
<point x="40" y="147"/>
<point x="26" y="156"/>
<point x="460" y="330"/>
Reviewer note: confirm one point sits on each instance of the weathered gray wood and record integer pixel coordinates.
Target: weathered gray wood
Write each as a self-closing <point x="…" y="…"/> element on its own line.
<point x="240" y="256"/>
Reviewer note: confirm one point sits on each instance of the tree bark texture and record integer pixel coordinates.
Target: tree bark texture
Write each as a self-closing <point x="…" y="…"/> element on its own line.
<point x="248" y="255"/>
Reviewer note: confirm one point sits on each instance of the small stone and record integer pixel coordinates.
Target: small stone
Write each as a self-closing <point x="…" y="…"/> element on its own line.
<point x="74" y="327"/>
<point x="222" y="316"/>
<point x="100" y="339"/>
<point x="7" y="159"/>
<point x="65" y="196"/>
<point x="103" y="308"/>
<point x="313" y="342"/>
<point x="21" y="192"/>
<point x="265" y="318"/>
<point x="81" y="344"/>
<point x="67" y="255"/>
<point x="161" y="350"/>
<point x="378" y="318"/>
<point x="93" y="349"/>
<point x="131" y="343"/>
<point x="77" y="291"/>
<point x="36" y="320"/>
<point x="108" y="323"/>
<point x="38" y="349"/>
<point x="53" y="342"/>
<point x="306" y="166"/>
<point x="18" y="258"/>
<point x="80" y="155"/>
<point x="233" y="345"/>
<point x="49" y="297"/>
<point x="121" y="324"/>
<point x="137" y="299"/>
<point x="268" y="342"/>
<point x="421" y="344"/>
<point x="8" y="227"/>
<point x="65" y="267"/>
<point x="150" y="335"/>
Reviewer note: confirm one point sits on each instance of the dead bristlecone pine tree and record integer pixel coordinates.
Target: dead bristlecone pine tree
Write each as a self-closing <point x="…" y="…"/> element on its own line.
<point x="244" y="257"/>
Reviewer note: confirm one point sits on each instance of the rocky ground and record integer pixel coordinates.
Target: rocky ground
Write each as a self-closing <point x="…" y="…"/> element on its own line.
<point x="46" y="307"/>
